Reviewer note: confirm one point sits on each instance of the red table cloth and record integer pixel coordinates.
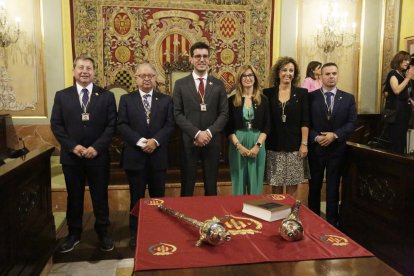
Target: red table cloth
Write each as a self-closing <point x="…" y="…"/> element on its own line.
<point x="165" y="242"/>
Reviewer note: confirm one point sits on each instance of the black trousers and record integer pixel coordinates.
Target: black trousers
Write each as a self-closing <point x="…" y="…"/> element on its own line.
<point x="98" y="178"/>
<point x="138" y="181"/>
<point x="333" y="166"/>
<point x="209" y="156"/>
<point x="397" y="131"/>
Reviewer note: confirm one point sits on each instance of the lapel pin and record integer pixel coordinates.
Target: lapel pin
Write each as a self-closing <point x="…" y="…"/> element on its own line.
<point x="96" y="94"/>
<point x="210" y="83"/>
<point x="156" y="99"/>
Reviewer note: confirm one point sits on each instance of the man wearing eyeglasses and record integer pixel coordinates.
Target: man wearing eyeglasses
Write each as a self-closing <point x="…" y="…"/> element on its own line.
<point x="145" y="122"/>
<point x="201" y="111"/>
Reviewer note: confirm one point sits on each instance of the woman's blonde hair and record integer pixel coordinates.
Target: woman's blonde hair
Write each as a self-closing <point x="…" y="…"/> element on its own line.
<point x="257" y="93"/>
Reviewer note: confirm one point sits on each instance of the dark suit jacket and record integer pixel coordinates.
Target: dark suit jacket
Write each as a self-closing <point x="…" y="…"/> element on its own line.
<point x="261" y="119"/>
<point x="342" y="122"/>
<point x="132" y="125"/>
<point x="187" y="113"/>
<point x="69" y="129"/>
<point x="287" y="136"/>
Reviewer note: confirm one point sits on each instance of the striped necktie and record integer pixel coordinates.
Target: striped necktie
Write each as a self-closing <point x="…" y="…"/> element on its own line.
<point x="85" y="97"/>
<point x="146" y="102"/>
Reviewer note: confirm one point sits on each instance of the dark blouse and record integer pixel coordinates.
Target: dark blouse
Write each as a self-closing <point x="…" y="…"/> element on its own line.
<point x="403" y="96"/>
<point x="287" y="136"/>
<point x="261" y="120"/>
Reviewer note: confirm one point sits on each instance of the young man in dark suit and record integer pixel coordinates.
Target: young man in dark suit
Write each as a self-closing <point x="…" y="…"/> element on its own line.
<point x="332" y="120"/>
<point x="145" y="122"/>
<point x="201" y="112"/>
<point x="83" y="121"/>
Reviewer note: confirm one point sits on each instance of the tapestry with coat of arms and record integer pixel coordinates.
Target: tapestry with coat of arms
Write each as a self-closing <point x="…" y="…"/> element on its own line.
<point x="122" y="34"/>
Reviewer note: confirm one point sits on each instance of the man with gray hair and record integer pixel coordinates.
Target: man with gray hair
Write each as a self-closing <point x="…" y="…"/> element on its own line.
<point x="145" y="123"/>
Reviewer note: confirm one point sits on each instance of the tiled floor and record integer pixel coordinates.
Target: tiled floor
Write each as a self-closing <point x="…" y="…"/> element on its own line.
<point x="100" y="268"/>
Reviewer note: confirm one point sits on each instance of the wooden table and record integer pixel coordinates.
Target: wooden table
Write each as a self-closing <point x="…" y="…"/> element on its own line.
<point x="322" y="258"/>
<point x="352" y="266"/>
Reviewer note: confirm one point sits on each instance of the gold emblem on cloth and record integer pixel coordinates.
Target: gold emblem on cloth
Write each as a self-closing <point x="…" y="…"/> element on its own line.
<point x="162" y="249"/>
<point x="227" y="56"/>
<point x="242" y="225"/>
<point x="228" y="78"/>
<point x="122" y="23"/>
<point x="277" y="196"/>
<point x="334" y="240"/>
<point x="154" y="201"/>
<point x="122" y="54"/>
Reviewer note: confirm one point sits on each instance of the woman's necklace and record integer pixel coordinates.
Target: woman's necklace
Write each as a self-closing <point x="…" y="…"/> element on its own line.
<point x="248" y="103"/>
<point x="401" y="74"/>
<point x="284" y="99"/>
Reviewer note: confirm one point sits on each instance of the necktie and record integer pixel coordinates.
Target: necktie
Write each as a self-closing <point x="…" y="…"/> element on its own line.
<point x="147" y="107"/>
<point x="329" y="100"/>
<point x="146" y="103"/>
<point x="85" y="97"/>
<point x="201" y="87"/>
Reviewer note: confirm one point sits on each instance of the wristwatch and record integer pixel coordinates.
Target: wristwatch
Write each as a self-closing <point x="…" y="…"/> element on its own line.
<point x="259" y="144"/>
<point x="304" y="143"/>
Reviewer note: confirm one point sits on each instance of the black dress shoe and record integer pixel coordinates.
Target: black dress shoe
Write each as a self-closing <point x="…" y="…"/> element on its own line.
<point x="106" y="243"/>
<point x="133" y="242"/>
<point x="69" y="244"/>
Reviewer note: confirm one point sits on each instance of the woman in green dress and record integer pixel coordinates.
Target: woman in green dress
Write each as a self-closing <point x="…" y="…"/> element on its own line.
<point x="247" y="128"/>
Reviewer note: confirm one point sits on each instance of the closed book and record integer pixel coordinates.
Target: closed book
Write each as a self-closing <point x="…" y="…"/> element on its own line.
<point x="266" y="210"/>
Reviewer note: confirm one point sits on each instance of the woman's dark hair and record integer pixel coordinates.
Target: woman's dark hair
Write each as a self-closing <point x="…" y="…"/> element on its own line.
<point x="311" y="67"/>
<point x="398" y="58"/>
<point x="282" y="61"/>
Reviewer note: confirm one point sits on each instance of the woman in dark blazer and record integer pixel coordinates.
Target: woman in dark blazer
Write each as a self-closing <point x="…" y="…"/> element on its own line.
<point x="247" y="129"/>
<point x="287" y="143"/>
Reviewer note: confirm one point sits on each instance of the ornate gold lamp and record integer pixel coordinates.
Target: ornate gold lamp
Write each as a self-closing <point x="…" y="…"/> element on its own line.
<point x="333" y="31"/>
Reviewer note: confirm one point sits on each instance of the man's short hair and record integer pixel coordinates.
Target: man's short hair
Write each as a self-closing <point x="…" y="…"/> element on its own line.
<point x="84" y="57"/>
<point x="329" y="64"/>
<point x="199" y="45"/>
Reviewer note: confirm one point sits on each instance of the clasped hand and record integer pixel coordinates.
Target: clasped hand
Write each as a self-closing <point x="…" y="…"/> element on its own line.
<point x="252" y="153"/>
<point x="88" y="153"/>
<point x="202" y="139"/>
<point x="150" y="146"/>
<point x="325" y="138"/>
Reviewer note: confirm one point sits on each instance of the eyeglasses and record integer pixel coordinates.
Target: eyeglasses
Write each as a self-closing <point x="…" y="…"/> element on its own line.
<point x="243" y="76"/>
<point x="198" y="57"/>
<point x="145" y="76"/>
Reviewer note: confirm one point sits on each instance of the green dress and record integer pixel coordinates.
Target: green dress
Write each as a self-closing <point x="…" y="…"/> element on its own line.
<point x="247" y="173"/>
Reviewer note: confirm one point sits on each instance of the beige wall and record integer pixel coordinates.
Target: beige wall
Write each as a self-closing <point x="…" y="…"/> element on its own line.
<point x="284" y="44"/>
<point x="407" y="22"/>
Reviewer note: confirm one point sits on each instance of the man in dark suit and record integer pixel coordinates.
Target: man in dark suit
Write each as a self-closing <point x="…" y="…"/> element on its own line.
<point x="145" y="122"/>
<point x="332" y="120"/>
<point x="201" y="111"/>
<point x="83" y="121"/>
